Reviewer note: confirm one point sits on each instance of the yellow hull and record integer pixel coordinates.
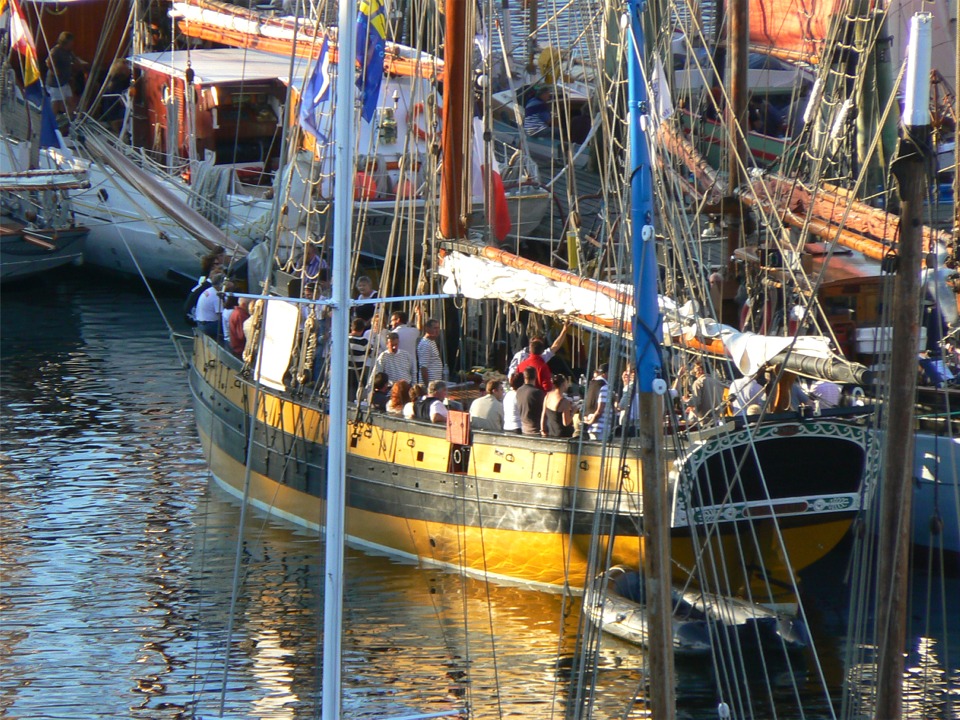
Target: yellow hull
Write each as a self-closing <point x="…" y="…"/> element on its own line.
<point x="505" y="507"/>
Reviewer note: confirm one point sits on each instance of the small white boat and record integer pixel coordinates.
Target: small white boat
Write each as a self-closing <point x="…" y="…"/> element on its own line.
<point x="615" y="603"/>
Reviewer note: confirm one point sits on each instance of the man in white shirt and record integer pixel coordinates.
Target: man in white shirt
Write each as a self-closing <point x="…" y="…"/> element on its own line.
<point x="409" y="335"/>
<point x="438" y="411"/>
<point x="209" y="307"/>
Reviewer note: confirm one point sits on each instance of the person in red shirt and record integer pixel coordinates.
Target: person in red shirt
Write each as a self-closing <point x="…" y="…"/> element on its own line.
<point x="536" y="361"/>
<point x="239" y="316"/>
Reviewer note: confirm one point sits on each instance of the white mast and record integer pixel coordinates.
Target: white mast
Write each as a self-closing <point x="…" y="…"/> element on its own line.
<point x="336" y="435"/>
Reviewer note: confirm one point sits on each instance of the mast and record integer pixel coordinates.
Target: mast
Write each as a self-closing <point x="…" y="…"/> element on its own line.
<point x="454" y="131"/>
<point x="956" y="132"/>
<point x="897" y="481"/>
<point x="738" y="30"/>
<point x="337" y="426"/>
<point x="647" y="338"/>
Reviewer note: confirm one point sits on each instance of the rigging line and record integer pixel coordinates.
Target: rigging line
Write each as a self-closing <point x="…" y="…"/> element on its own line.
<point x="171" y="333"/>
<point x="109" y="22"/>
<point x="253" y="423"/>
<point x="486" y="588"/>
<point x="238" y="552"/>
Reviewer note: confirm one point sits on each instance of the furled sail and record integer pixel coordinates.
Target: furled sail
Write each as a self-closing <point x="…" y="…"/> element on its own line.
<point x="610" y="306"/>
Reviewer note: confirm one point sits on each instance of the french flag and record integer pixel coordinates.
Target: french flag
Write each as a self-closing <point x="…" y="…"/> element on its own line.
<point x="316" y="92"/>
<point x="485" y="177"/>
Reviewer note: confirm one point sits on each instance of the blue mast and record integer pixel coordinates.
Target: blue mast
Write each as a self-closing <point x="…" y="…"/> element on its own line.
<point x="647" y="335"/>
<point x="647" y="326"/>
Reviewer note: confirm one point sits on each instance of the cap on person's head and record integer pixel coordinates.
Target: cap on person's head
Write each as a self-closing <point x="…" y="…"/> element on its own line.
<point x="602" y="369"/>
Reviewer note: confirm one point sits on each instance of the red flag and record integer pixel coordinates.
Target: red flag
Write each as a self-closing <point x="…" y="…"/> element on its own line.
<point x="499" y="210"/>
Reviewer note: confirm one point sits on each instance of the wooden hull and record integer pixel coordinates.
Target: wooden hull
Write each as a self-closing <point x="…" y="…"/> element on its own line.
<point x="505" y="507"/>
<point x="710" y="138"/>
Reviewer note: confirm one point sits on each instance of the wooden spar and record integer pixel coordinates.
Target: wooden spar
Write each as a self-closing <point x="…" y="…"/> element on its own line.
<point x="738" y="29"/>
<point x="897" y="481"/>
<point x="454" y="131"/>
<point x="831" y="203"/>
<point x="866" y="229"/>
<point x="793" y="56"/>
<point x="519" y="263"/>
<point x="532" y="41"/>
<point x="681" y="148"/>
<point x="280" y="40"/>
<point x="836" y="369"/>
<point x="896" y="485"/>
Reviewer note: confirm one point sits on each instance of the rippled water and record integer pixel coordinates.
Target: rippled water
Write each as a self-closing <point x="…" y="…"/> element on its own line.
<point x="117" y="567"/>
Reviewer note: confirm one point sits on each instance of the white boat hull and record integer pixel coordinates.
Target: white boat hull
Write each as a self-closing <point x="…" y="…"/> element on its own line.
<point x="936" y="492"/>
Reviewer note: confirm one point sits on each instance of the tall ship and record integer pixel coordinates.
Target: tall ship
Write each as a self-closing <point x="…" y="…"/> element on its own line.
<point x="753" y="499"/>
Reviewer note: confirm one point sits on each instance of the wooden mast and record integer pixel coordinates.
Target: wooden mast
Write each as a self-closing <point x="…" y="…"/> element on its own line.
<point x="738" y="30"/>
<point x="956" y="137"/>
<point x="454" y="131"/>
<point x="897" y="481"/>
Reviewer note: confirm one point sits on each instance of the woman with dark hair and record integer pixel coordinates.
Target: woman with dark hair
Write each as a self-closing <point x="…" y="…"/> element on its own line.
<point x="399" y="396"/>
<point x="557" y="418"/>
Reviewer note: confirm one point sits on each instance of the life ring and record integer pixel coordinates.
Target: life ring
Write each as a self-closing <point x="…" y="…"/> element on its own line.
<point x="416" y="114"/>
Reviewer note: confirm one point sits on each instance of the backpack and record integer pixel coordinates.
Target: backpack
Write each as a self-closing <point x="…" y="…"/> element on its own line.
<point x="190" y="304"/>
<point x="421" y="410"/>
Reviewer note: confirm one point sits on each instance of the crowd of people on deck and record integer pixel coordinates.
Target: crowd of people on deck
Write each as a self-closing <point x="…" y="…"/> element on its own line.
<point x="399" y="370"/>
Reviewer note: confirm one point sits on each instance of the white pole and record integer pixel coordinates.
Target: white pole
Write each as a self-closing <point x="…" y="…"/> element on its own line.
<point x="336" y="435"/>
<point x="916" y="109"/>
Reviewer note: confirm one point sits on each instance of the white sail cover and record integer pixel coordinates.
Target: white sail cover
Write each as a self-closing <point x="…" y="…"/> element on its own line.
<point x="280" y="322"/>
<point x="480" y="278"/>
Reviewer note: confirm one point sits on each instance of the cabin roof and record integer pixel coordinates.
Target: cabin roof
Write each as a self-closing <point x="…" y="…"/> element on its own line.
<point x="225" y="65"/>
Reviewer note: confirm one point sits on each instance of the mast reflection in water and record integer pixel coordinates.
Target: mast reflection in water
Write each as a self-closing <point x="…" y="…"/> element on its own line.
<point x="117" y="561"/>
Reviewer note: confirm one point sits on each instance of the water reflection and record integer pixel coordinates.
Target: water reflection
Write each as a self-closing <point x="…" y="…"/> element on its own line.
<point x="117" y="565"/>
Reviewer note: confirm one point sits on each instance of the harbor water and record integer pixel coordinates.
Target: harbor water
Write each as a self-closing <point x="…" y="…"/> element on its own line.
<point x="118" y="569"/>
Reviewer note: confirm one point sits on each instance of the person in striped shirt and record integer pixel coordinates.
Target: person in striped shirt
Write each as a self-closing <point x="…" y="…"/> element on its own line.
<point x="595" y="404"/>
<point x="538" y="113"/>
<point x="397" y="364"/>
<point x="428" y="353"/>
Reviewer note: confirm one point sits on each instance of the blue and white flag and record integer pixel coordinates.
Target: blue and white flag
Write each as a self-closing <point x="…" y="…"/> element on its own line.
<point x="371" y="51"/>
<point x="316" y="92"/>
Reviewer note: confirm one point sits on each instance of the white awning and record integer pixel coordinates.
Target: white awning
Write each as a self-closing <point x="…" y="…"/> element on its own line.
<point x="225" y="65"/>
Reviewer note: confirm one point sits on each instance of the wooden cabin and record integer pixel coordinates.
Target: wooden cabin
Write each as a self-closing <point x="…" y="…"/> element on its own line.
<point x="234" y="108"/>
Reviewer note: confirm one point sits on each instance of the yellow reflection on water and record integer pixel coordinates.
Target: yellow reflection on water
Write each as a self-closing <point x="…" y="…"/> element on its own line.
<point x="273" y="673"/>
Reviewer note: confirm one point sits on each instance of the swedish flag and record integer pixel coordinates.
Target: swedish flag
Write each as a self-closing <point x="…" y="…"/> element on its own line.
<point x="371" y="47"/>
